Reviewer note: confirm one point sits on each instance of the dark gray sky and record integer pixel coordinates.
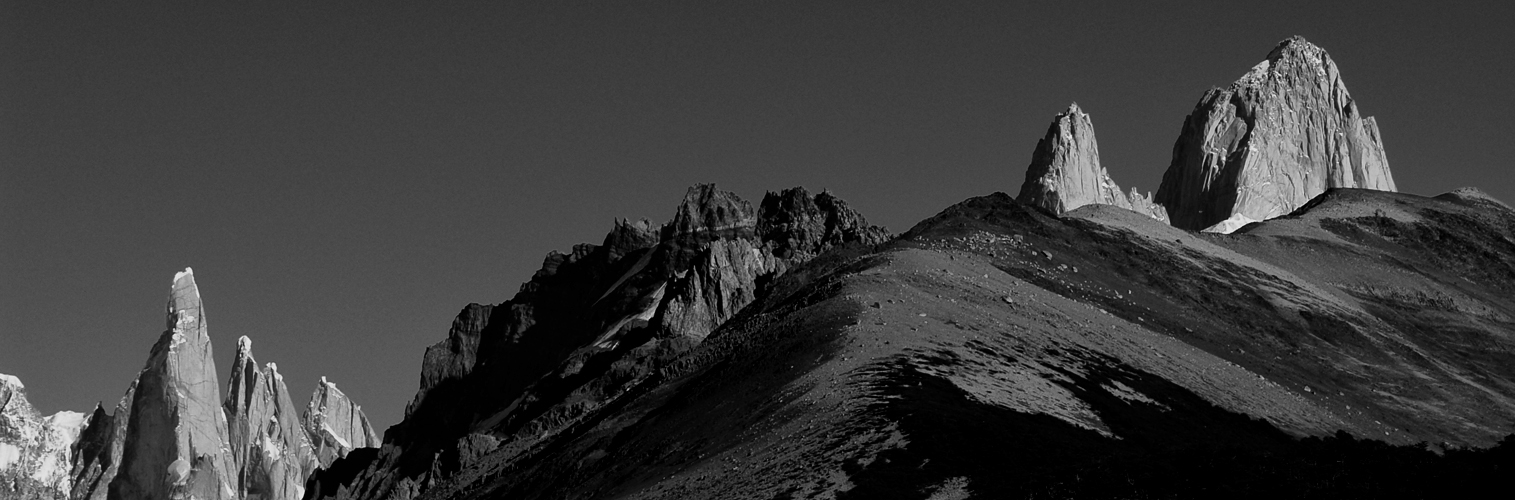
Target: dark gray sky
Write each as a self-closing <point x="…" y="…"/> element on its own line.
<point x="344" y="178"/>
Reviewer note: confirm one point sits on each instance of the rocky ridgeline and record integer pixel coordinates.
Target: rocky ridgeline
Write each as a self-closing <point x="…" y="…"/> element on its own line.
<point x="172" y="436"/>
<point x="588" y="326"/>
<point x="1065" y="172"/>
<point x="1263" y="147"/>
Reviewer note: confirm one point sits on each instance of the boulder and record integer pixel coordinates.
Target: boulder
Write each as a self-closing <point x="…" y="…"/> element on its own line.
<point x="1267" y="144"/>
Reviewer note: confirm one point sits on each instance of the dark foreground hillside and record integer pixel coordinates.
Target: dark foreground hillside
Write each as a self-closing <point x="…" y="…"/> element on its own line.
<point x="1358" y="347"/>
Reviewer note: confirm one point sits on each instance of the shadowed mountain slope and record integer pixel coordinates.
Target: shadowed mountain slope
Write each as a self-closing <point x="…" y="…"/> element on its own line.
<point x="590" y="326"/>
<point x="998" y="351"/>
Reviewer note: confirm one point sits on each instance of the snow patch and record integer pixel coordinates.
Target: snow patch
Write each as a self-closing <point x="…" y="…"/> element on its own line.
<point x="1231" y="224"/>
<point x="271" y="449"/>
<point x="65" y="426"/>
<point x="340" y="441"/>
<point x="186" y="272"/>
<point x="11" y="380"/>
<point x="9" y="455"/>
<point x="50" y="469"/>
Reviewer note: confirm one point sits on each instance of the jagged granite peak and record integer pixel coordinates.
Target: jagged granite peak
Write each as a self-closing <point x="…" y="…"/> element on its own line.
<point x="269" y="445"/>
<point x="1065" y="171"/>
<point x="335" y="424"/>
<point x="796" y="224"/>
<point x="1280" y="135"/>
<point x="176" y="436"/>
<point x="96" y="456"/>
<point x="706" y="210"/>
<point x="628" y="236"/>
<point x="34" y="450"/>
<point x="590" y="325"/>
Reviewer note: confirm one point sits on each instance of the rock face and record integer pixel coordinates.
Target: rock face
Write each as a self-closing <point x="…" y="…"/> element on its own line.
<point x="165" y="439"/>
<point x="97" y="453"/>
<point x="176" y="433"/>
<point x="34" y="450"/>
<point x="335" y="424"/>
<point x="1281" y="135"/>
<point x="1065" y="171"/>
<point x="589" y="326"/>
<point x="269" y="446"/>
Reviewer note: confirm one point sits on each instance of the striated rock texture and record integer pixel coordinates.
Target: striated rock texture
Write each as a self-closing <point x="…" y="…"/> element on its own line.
<point x="335" y="425"/>
<point x="96" y="456"/>
<point x="1281" y="135"/>
<point x="176" y="433"/>
<point x="269" y="445"/>
<point x="34" y="450"/>
<point x="167" y="440"/>
<point x="1065" y="172"/>
<point x="590" y="325"/>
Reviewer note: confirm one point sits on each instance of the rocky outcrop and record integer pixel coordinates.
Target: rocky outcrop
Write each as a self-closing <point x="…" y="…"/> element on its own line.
<point x="96" y="456"/>
<point x="1264" y="146"/>
<point x="171" y="436"/>
<point x="795" y="225"/>
<point x="335" y="424"/>
<point x="1065" y="172"/>
<point x="176" y="433"/>
<point x="590" y="325"/>
<point x="34" y="450"/>
<point x="269" y="446"/>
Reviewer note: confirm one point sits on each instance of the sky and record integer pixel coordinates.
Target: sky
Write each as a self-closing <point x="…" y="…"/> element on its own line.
<point x="345" y="177"/>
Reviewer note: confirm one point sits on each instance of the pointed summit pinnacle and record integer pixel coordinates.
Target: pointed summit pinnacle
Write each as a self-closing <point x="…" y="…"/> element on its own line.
<point x="185" y="314"/>
<point x="1065" y="172"/>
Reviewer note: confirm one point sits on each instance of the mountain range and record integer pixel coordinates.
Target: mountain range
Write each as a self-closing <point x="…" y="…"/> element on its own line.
<point x="1276" y="320"/>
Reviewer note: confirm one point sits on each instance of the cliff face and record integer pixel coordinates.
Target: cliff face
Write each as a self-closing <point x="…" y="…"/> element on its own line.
<point x="1065" y="172"/>
<point x="1262" y="147"/>
<point x="176" y="434"/>
<point x="97" y="454"/>
<point x="335" y="424"/>
<point x="34" y="450"/>
<point x="270" y="449"/>
<point x="590" y="325"/>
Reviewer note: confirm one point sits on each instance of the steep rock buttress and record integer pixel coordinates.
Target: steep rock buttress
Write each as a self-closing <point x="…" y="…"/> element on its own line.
<point x="176" y="434"/>
<point x="269" y="446"/>
<point x="1262" y="147"/>
<point x="1065" y="172"/>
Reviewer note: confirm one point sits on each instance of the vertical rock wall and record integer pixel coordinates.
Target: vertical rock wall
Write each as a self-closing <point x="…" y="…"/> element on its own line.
<point x="176" y="434"/>
<point x="1065" y="172"/>
<point x="1281" y="135"/>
